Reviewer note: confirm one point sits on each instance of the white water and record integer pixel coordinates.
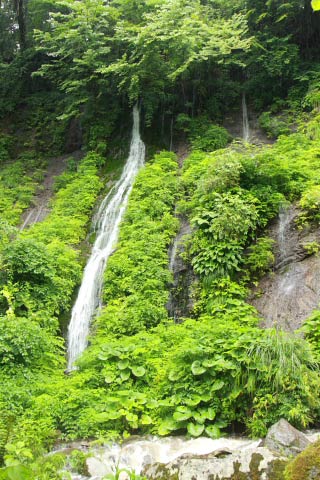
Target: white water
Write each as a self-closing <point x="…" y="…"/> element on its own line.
<point x="286" y="217"/>
<point x="107" y="227"/>
<point x="245" y="120"/>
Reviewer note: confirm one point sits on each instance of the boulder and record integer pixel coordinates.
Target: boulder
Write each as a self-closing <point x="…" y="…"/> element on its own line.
<point x="247" y="464"/>
<point x="284" y="439"/>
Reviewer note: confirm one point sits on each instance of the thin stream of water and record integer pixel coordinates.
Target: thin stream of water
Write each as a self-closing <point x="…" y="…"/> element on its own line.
<point x="245" y="120"/>
<point x="107" y="226"/>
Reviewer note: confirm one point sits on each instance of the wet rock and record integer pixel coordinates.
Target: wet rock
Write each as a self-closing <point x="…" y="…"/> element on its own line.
<point x="248" y="464"/>
<point x="180" y="303"/>
<point x="284" y="439"/>
<point x="288" y="295"/>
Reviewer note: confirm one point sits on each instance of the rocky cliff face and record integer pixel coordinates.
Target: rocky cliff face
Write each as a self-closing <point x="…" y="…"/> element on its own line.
<point x="287" y="296"/>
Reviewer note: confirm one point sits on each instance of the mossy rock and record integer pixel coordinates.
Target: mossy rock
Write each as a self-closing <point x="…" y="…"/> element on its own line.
<point x="306" y="466"/>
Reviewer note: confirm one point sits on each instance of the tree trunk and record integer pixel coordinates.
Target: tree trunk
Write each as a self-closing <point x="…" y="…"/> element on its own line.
<point x="19" y="6"/>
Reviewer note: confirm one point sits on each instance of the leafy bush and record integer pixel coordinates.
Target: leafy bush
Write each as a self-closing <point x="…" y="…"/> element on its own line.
<point x="260" y="257"/>
<point x="23" y="342"/>
<point x="213" y="138"/>
<point x="274" y="126"/>
<point x="310" y="203"/>
<point x="5" y="145"/>
<point x="202" y="133"/>
<point x="17" y="187"/>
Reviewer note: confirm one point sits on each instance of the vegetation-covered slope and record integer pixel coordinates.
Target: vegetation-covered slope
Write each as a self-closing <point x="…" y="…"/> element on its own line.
<point x="79" y="66"/>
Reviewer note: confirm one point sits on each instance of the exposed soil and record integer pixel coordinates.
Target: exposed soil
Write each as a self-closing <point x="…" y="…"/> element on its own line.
<point x="41" y="201"/>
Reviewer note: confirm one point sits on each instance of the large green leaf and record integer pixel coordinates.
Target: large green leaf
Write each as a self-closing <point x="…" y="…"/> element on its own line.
<point x="167" y="426"/>
<point x="197" y="368"/>
<point x="195" y="429"/>
<point x="315" y="5"/>
<point x="18" y="472"/>
<point x="146" y="420"/>
<point x="123" y="364"/>
<point x="182" y="413"/>
<point x="192" y="401"/>
<point x="109" y="378"/>
<point x="138" y="371"/>
<point x="217" y="385"/>
<point x="213" y="431"/>
<point x="125" y="375"/>
<point x="174" y="375"/>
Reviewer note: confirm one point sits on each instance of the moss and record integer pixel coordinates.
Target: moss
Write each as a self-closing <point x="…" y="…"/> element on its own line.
<point x="161" y="472"/>
<point x="276" y="470"/>
<point x="306" y="466"/>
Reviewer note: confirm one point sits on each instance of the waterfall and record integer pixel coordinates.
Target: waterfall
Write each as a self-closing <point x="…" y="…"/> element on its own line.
<point x="245" y="121"/>
<point x="107" y="227"/>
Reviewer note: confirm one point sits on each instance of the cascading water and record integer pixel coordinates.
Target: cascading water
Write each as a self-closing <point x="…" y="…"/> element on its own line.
<point x="107" y="227"/>
<point x="245" y="120"/>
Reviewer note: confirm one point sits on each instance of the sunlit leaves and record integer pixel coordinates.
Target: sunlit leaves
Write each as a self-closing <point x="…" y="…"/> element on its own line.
<point x="315" y="5"/>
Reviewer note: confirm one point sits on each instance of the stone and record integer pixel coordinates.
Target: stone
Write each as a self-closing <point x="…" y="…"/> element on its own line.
<point x="256" y="463"/>
<point x="284" y="439"/>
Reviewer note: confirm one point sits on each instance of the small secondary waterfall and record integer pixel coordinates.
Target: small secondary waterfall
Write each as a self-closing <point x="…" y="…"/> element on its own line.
<point x="107" y="227"/>
<point x="245" y="120"/>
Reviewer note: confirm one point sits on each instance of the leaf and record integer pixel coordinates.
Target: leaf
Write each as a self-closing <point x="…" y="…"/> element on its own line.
<point x="211" y="413"/>
<point x="125" y="374"/>
<point x="123" y="364"/>
<point x="114" y="414"/>
<point x="167" y="426"/>
<point x="217" y="385"/>
<point x="182" y="413"/>
<point x="103" y="356"/>
<point x="18" y="472"/>
<point x="213" y="431"/>
<point x="200" y="417"/>
<point x="315" y="4"/>
<point x="197" y="369"/>
<point x="132" y="417"/>
<point x="208" y="362"/>
<point x="195" y="429"/>
<point x="193" y="401"/>
<point x="102" y="417"/>
<point x="174" y="375"/>
<point x="109" y="378"/>
<point x="146" y="420"/>
<point x="138" y="371"/>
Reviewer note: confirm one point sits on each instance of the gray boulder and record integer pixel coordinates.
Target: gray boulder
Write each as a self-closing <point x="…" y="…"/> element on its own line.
<point x="284" y="439"/>
<point x="247" y="464"/>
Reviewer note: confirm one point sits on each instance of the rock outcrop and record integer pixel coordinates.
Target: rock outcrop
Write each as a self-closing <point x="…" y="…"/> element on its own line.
<point x="288" y="295"/>
<point x="178" y="458"/>
<point x="284" y="439"/>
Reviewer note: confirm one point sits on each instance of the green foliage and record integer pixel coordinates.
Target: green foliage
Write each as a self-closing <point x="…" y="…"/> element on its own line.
<point x="311" y="329"/>
<point x="18" y="182"/>
<point x="202" y="133"/>
<point x="260" y="258"/>
<point x="310" y="203"/>
<point x="24" y="343"/>
<point x="5" y="144"/>
<point x="130" y="474"/>
<point x="136" y="278"/>
<point x="273" y="126"/>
